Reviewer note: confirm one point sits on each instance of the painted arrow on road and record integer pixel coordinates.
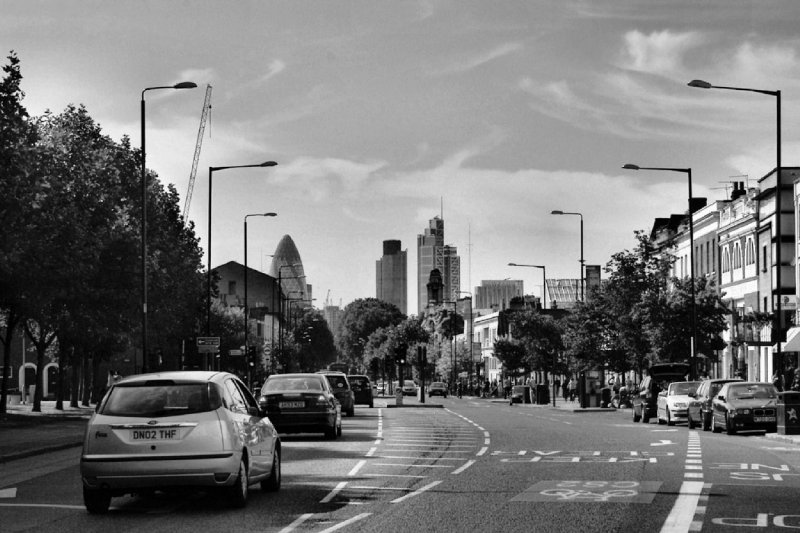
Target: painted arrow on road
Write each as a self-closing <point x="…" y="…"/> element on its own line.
<point x="8" y="493"/>
<point x="662" y="443"/>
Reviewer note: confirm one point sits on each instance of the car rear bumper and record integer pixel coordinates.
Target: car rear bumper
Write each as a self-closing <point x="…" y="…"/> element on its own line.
<point x="125" y="472"/>
<point x="302" y="422"/>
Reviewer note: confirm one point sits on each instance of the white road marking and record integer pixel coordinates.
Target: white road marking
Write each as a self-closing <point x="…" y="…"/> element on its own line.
<point x="332" y="494"/>
<point x="346" y="523"/>
<point x="8" y="493"/>
<point x="461" y="469"/>
<point x="682" y="515"/>
<point x="416" y="492"/>
<point x="662" y="442"/>
<point x="45" y="505"/>
<point x="356" y="468"/>
<point x="482" y="451"/>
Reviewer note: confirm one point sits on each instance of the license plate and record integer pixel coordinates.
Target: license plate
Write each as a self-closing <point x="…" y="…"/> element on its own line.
<point x="155" y="434"/>
<point x="763" y="419"/>
<point x="291" y="405"/>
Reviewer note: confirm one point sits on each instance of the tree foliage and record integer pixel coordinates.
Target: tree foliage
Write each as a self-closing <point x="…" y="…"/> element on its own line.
<point x="360" y="319"/>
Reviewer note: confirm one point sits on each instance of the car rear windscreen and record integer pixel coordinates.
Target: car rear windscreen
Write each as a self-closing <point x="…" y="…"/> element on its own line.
<point x="300" y="384"/>
<point x="160" y="399"/>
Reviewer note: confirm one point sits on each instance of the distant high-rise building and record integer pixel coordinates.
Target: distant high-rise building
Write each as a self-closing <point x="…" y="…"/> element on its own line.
<point x="288" y="268"/>
<point x="391" y="275"/>
<point x="433" y="254"/>
<point x="497" y="293"/>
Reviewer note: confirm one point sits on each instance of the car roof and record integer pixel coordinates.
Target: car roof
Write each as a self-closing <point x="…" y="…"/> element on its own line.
<point x="331" y="373"/>
<point x="668" y="369"/>
<point x="178" y="375"/>
<point x="357" y="376"/>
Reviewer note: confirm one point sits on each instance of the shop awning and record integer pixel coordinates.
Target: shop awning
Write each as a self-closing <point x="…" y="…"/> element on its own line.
<point x="792" y="343"/>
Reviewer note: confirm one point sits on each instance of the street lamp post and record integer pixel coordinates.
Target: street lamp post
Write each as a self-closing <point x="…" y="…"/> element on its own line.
<point x="776" y="300"/>
<point x="181" y="85"/>
<point x="688" y="172"/>
<point x="471" y="357"/>
<point x="453" y="340"/>
<point x="583" y="269"/>
<point x="544" y="292"/>
<point x="246" y="309"/>
<point x="211" y="171"/>
<point x="544" y="280"/>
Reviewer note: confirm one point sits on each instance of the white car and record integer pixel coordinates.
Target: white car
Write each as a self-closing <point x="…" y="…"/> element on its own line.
<point x="409" y="388"/>
<point x="201" y="430"/>
<point x="673" y="403"/>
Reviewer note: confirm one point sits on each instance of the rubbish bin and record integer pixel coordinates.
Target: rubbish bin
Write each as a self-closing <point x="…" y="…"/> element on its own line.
<point x="526" y="394"/>
<point x="789" y="413"/>
<point x="542" y="395"/>
<point x="605" y="397"/>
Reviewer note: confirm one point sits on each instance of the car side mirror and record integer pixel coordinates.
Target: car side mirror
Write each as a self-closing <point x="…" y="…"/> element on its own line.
<point x="721" y="398"/>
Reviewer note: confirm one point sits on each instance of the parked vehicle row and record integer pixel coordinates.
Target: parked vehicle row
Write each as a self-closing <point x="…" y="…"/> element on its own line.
<point x="732" y="404"/>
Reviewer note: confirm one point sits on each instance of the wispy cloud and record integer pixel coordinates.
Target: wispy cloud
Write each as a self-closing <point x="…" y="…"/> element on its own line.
<point x="476" y="61"/>
<point x="275" y="67"/>
<point x="659" y="53"/>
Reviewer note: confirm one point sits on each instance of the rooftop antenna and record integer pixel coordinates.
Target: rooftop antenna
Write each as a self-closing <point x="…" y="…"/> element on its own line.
<point x="746" y="180"/>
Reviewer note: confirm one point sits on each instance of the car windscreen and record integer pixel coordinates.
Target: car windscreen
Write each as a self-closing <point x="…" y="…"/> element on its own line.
<point x="682" y="389"/>
<point x="159" y="399"/>
<point x="762" y="391"/>
<point x="299" y="384"/>
<point x="337" y="382"/>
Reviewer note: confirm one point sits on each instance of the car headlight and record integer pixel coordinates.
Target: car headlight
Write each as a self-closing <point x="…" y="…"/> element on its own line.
<point x="743" y="411"/>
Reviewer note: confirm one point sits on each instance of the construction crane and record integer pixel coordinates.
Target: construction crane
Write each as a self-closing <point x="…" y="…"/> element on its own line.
<point x="193" y="173"/>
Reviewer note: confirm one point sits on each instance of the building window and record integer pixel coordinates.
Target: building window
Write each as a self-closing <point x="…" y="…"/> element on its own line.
<point x="231" y="287"/>
<point x="764" y="258"/>
<point x="726" y="260"/>
<point x="737" y="256"/>
<point x="750" y="252"/>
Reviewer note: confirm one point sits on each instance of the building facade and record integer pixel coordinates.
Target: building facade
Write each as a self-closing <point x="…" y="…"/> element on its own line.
<point x="433" y="254"/>
<point x="497" y="294"/>
<point x="391" y="276"/>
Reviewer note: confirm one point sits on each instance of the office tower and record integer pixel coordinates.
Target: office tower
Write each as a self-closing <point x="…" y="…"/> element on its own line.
<point x="433" y="254"/>
<point x="492" y="294"/>
<point x="391" y="275"/>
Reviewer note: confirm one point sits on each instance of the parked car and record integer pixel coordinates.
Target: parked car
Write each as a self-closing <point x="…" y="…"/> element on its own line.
<point x="362" y="389"/>
<point x="745" y="405"/>
<point x="659" y="376"/>
<point x="518" y="393"/>
<point x="341" y="389"/>
<point x="437" y="388"/>
<point x="172" y="430"/>
<point x="301" y="403"/>
<point x="699" y="413"/>
<point x="409" y="388"/>
<point x="673" y="403"/>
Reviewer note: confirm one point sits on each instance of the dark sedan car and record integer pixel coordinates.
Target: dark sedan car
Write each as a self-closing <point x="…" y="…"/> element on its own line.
<point x="362" y="389"/>
<point x="437" y="388"/>
<point x="341" y="389"/>
<point x="699" y="413"/>
<point x="301" y="403"/>
<point x="743" y="406"/>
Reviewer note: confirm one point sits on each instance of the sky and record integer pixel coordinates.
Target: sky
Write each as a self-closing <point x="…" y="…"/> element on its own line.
<point x="382" y="114"/>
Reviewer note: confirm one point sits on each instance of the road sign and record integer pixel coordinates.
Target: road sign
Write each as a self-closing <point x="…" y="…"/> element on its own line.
<point x="207" y="344"/>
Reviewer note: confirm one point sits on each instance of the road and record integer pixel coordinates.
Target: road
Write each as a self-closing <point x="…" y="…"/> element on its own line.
<point x="472" y="465"/>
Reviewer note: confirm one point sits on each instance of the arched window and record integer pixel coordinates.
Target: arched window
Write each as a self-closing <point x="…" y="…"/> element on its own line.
<point x="726" y="260"/>
<point x="750" y="252"/>
<point x="737" y="256"/>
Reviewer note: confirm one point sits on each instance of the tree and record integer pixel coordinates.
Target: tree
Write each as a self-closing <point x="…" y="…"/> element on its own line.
<point x="315" y="348"/>
<point x="360" y="319"/>
<point x="512" y="354"/>
<point x="18" y="137"/>
<point x="539" y="335"/>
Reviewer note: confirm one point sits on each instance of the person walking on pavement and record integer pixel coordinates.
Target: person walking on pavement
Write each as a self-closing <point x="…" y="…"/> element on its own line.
<point x="459" y="388"/>
<point x="573" y="387"/>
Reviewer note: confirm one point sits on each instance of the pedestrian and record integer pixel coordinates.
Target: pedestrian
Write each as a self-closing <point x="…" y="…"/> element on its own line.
<point x="573" y="387"/>
<point x="459" y="388"/>
<point x="777" y="380"/>
<point x="565" y="389"/>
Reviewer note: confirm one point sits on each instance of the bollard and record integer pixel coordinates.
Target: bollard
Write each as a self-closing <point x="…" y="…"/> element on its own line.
<point x="398" y="396"/>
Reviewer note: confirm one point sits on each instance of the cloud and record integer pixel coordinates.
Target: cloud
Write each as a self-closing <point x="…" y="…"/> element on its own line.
<point x="659" y="53"/>
<point x="275" y="67"/>
<point x="482" y="59"/>
<point x="199" y="76"/>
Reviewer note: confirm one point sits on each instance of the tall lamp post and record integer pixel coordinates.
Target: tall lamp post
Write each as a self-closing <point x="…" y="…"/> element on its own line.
<point x="688" y="172"/>
<point x="453" y="339"/>
<point x="776" y="300"/>
<point x="246" y="308"/>
<point x="544" y="280"/>
<point x="471" y="358"/>
<point x="583" y="270"/>
<point x="544" y="297"/>
<point x="211" y="171"/>
<point x="181" y="85"/>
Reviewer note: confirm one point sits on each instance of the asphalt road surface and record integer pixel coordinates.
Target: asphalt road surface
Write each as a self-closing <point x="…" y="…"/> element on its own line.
<point x="473" y="465"/>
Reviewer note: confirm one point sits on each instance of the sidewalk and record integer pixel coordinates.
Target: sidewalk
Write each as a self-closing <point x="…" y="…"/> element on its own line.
<point x="24" y="433"/>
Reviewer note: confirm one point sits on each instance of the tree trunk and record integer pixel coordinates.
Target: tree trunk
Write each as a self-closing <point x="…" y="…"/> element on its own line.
<point x="12" y="319"/>
<point x="85" y="374"/>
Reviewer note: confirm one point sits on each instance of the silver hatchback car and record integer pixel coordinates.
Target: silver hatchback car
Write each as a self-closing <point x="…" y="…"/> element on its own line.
<point x="172" y="430"/>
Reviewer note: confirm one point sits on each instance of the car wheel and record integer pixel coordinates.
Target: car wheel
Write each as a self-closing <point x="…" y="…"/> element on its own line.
<point x="273" y="482"/>
<point x="729" y="429"/>
<point x="705" y="420"/>
<point x="330" y="433"/>
<point x="645" y="417"/>
<point x="370" y="405"/>
<point x="670" y="421"/>
<point x="96" y="501"/>
<point x="237" y="494"/>
<point x="714" y="427"/>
